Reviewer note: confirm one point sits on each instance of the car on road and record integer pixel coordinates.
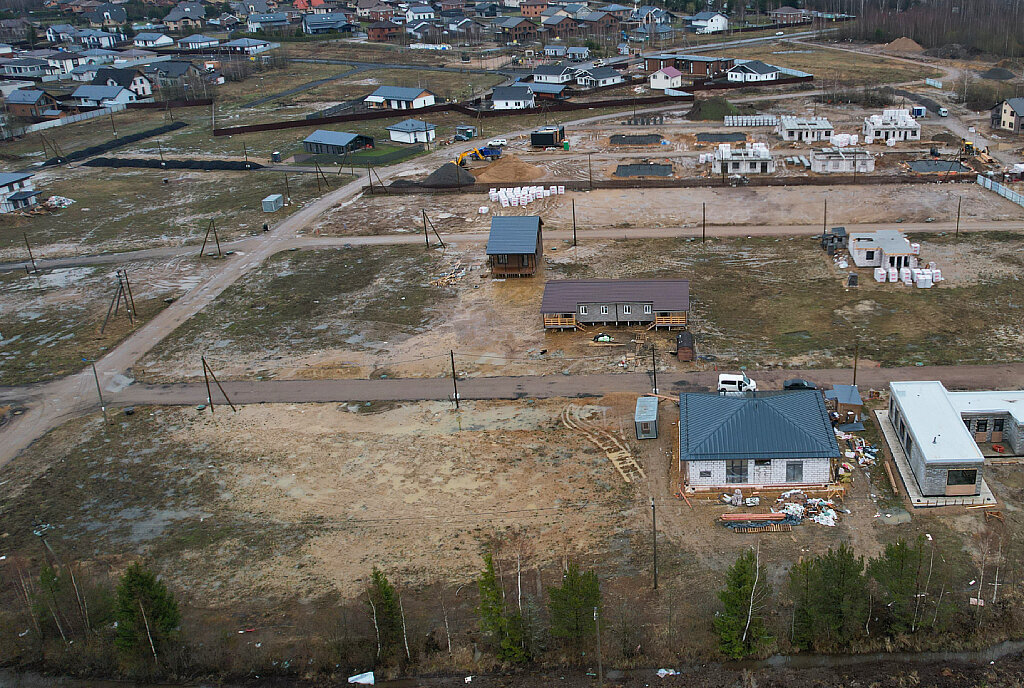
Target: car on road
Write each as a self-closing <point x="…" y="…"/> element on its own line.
<point x="798" y="383"/>
<point x="780" y="33"/>
<point x="497" y="143"/>
<point x="735" y="384"/>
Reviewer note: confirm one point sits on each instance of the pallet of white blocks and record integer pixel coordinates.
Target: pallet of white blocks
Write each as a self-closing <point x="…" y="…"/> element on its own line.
<point x="751" y="120"/>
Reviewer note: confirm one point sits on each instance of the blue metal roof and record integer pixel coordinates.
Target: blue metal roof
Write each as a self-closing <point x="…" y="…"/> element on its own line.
<point x="513" y="234"/>
<point x="8" y="178"/>
<point x="330" y="138"/>
<point x="784" y="425"/>
<point x="845" y="394"/>
<point x="555" y="89"/>
<point x="646" y="410"/>
<point x="410" y="125"/>
<point x="398" y="93"/>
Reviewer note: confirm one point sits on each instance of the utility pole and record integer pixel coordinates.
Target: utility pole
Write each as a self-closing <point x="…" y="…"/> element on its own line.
<point x="128" y="289"/>
<point x="426" y="237"/>
<point x="856" y="358"/>
<point x="703" y="222"/>
<point x="654" y="539"/>
<point x="287" y="190"/>
<point x="30" y="256"/>
<point x="455" y="383"/>
<point x="959" y="201"/>
<point x="590" y="167"/>
<point x="824" y="220"/>
<point x="99" y="391"/>
<point x="654" y="368"/>
<point x="600" y="664"/>
<point x="574" y="222"/>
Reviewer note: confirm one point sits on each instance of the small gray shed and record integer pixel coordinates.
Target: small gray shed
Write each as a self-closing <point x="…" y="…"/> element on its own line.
<point x="273" y="203"/>
<point x="646" y="418"/>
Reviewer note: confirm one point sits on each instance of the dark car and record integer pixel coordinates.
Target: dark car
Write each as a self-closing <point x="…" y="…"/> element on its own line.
<point x="797" y="383"/>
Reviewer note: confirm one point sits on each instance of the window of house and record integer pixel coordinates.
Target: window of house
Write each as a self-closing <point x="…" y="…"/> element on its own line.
<point x="705" y="474"/>
<point x="501" y="259"/>
<point x="982" y="425"/>
<point x="626" y="310"/>
<point x="583" y="310"/>
<point x="997" y="425"/>
<point x="736" y="471"/>
<point x="869" y="255"/>
<point x="604" y="310"/>
<point x="647" y="310"/>
<point x="961" y="476"/>
<point x="794" y="471"/>
<point x="762" y="463"/>
<point x="967" y="422"/>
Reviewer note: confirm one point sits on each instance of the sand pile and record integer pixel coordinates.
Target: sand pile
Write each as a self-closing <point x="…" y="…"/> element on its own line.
<point x="998" y="74"/>
<point x="509" y="169"/>
<point x="447" y="176"/>
<point x="905" y="45"/>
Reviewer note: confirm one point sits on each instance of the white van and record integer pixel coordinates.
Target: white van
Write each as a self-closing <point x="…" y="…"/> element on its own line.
<point x="735" y="384"/>
<point x="943" y="112"/>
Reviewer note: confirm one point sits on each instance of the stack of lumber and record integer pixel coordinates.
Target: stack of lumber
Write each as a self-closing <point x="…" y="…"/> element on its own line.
<point x="753" y="517"/>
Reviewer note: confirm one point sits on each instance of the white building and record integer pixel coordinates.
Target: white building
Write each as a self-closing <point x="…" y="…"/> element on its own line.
<point x="152" y="40"/>
<point x="752" y="71"/>
<point x="412" y="131"/>
<point x="728" y="442"/>
<point x="96" y="96"/>
<point x="804" y="128"/>
<point x="755" y="158"/>
<point x="885" y="248"/>
<point x="840" y="160"/>
<point x="895" y="124"/>
<point x="512" y="98"/>
<point x="418" y="13"/>
<point x="596" y="77"/>
<point x="16" y="191"/>
<point x="709" y="22"/>
<point x="197" y="41"/>
<point x="554" y="74"/>
<point x="400" y="98"/>
<point x="666" y="77"/>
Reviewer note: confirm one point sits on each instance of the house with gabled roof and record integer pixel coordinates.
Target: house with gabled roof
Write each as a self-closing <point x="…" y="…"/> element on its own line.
<point x="519" y="97"/>
<point x="16" y="191"/>
<point x="400" y="98"/>
<point x="596" y="77"/>
<point x="709" y="22"/>
<point x="198" y="41"/>
<point x="755" y="440"/>
<point x="554" y="74"/>
<point x="561" y="26"/>
<point x="266" y="22"/>
<point x="149" y="39"/>
<point x="96" y="96"/>
<point x="327" y="142"/>
<point x="412" y="131"/>
<point x="578" y="304"/>
<point x="106" y="16"/>
<point x="666" y="77"/>
<point x="382" y="31"/>
<point x="752" y="71"/>
<point x="29" y="103"/>
<point x="186" y="16"/>
<point x="515" y="246"/>
<point x="131" y="79"/>
<point x="515" y="29"/>
<point x="1009" y="115"/>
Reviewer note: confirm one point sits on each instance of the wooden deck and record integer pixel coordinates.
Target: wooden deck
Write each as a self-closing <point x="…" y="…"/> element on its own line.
<point x="668" y="321"/>
<point x="561" y="323"/>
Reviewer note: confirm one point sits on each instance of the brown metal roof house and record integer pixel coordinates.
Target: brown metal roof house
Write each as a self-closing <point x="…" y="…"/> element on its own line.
<point x="515" y="246"/>
<point x="575" y="304"/>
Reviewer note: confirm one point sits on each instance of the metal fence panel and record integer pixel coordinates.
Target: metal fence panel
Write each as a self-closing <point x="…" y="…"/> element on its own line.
<point x="1004" y="191"/>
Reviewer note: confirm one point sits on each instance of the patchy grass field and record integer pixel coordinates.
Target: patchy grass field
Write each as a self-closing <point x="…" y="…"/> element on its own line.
<point x="366" y="299"/>
<point x="835" y="66"/>
<point x="50" y="322"/>
<point x="133" y="208"/>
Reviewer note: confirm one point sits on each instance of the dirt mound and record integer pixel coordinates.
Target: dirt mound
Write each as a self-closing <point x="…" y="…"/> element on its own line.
<point x="905" y="45"/>
<point x="715" y="108"/>
<point x="945" y="137"/>
<point x="953" y="51"/>
<point x="509" y="168"/>
<point x="997" y="74"/>
<point x="447" y="176"/>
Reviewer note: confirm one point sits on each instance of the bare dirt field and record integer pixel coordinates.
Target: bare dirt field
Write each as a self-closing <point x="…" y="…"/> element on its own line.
<point x="677" y="208"/>
<point x="755" y="301"/>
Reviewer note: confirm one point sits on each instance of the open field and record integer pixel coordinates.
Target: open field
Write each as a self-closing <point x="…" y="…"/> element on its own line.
<point x="50" y="322"/>
<point x="120" y="209"/>
<point x="448" y="85"/>
<point x="756" y="302"/>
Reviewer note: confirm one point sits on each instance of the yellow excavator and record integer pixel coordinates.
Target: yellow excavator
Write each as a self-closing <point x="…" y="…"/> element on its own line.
<point x="477" y="154"/>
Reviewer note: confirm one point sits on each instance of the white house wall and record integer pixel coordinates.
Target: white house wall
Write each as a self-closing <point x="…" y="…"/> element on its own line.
<point x="816" y="471"/>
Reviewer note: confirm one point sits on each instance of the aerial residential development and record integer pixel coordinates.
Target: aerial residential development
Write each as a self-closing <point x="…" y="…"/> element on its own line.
<point x="522" y="343"/>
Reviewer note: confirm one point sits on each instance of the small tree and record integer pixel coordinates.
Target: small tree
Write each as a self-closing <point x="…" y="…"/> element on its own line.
<point x="572" y="604"/>
<point x="147" y="613"/>
<point x="741" y="630"/>
<point x="897" y="572"/>
<point x="505" y="630"/>
<point x="387" y="615"/>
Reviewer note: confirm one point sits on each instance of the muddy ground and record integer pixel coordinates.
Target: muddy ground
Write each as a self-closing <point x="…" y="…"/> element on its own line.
<point x="759" y="302"/>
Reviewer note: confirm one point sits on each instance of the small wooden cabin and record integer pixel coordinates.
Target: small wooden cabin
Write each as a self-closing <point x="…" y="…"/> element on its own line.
<point x="515" y="246"/>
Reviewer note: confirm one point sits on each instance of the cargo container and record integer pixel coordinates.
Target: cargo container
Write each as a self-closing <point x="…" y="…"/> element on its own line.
<point x="547" y="136"/>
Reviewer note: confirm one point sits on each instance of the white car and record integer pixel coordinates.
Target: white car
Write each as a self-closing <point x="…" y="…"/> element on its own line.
<point x="780" y="33"/>
<point x="497" y="143"/>
<point x="735" y="384"/>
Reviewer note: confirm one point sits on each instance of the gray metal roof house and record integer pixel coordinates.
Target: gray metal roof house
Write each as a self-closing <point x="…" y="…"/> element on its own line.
<point x="515" y="245"/>
<point x="767" y="439"/>
<point x="576" y="304"/>
<point x="326" y="142"/>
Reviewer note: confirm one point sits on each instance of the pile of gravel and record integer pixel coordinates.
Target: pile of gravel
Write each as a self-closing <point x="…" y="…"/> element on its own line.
<point x="447" y="176"/>
<point x="998" y="74"/>
<point x="154" y="163"/>
<point x="115" y="143"/>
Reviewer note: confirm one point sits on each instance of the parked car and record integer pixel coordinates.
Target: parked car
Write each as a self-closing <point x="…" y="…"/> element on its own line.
<point x="943" y="112"/>
<point x="780" y="33"/>
<point x="735" y="384"/>
<point x="497" y="143"/>
<point x="797" y="383"/>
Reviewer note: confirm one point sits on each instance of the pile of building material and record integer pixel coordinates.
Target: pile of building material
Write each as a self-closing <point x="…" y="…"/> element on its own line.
<point x="858" y="448"/>
<point x="796" y="504"/>
<point x="712" y="137"/>
<point x="636" y="139"/>
<point x="449" y="175"/>
<point x="645" y="169"/>
<point x="924" y="278"/>
<point x="522" y="195"/>
<point x="751" y="120"/>
<point x="844" y="140"/>
<point x="57" y="202"/>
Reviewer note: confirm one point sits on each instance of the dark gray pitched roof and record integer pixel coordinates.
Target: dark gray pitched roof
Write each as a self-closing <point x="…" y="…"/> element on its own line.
<point x="756" y="67"/>
<point x="513" y="234"/>
<point x="562" y="296"/>
<point x="511" y="92"/>
<point x="411" y="125"/>
<point x="779" y="425"/>
<point x="845" y="394"/>
<point x="121" y="77"/>
<point x="1017" y="104"/>
<point x="25" y="96"/>
<point x="330" y="138"/>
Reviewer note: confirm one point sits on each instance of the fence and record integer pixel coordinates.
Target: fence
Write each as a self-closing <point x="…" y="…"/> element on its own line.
<point x="1004" y="191"/>
<point x="71" y="119"/>
<point x="166" y="104"/>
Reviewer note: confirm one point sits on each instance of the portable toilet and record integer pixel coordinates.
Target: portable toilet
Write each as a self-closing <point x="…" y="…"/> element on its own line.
<point x="685" y="346"/>
<point x="273" y="203"/>
<point x="646" y="418"/>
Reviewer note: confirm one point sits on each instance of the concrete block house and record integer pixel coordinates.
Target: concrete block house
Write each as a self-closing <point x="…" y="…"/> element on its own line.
<point x="769" y="439"/>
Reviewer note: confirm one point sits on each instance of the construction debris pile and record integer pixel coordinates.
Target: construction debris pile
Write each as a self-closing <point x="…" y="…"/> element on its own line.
<point x="857" y="448"/>
<point x="57" y="202"/>
<point x="791" y="508"/>
<point x="522" y="195"/>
